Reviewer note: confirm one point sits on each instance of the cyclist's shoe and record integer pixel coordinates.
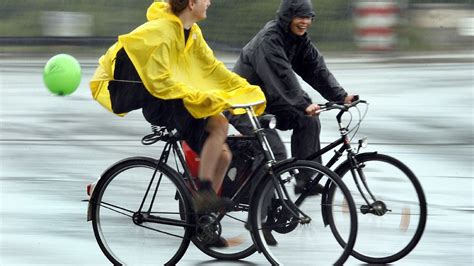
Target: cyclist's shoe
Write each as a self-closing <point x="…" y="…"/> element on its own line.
<point x="300" y="187"/>
<point x="206" y="201"/>
<point x="225" y="243"/>
<point x="218" y="243"/>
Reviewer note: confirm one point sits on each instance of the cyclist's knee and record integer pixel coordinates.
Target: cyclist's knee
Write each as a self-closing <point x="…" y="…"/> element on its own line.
<point x="217" y="125"/>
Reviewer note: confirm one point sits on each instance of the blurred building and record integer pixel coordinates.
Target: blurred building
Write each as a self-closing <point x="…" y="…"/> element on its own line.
<point x="66" y="24"/>
<point x="443" y="25"/>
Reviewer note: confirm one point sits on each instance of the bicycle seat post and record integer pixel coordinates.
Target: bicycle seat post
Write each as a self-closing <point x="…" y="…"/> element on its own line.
<point x="261" y="136"/>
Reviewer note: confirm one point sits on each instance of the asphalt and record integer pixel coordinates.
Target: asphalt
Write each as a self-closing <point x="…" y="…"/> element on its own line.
<point x="421" y="111"/>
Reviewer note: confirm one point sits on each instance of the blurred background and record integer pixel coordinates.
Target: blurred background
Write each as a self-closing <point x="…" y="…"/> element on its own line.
<point x="412" y="60"/>
<point x="340" y="25"/>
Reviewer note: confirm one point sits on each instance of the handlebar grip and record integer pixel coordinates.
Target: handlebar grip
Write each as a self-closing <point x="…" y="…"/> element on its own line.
<point x="342" y="106"/>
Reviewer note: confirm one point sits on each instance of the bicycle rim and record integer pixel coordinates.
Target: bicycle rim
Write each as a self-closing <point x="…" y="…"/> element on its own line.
<point x="303" y="244"/>
<point x="118" y="198"/>
<point x="389" y="236"/>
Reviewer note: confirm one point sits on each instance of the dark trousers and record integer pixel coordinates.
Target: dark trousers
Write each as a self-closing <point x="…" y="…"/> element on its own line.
<point x="304" y="139"/>
<point x="243" y="125"/>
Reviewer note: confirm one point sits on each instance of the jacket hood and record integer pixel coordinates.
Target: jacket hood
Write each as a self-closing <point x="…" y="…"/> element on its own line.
<point x="293" y="8"/>
<point x="159" y="10"/>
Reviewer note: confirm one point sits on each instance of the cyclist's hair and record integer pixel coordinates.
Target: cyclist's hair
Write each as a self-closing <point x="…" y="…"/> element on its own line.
<point x="178" y="5"/>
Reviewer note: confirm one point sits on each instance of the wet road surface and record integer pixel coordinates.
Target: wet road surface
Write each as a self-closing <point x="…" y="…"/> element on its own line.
<point x="421" y="111"/>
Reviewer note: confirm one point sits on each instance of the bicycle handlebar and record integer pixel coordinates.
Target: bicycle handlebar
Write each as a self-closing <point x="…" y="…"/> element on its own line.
<point x="340" y="105"/>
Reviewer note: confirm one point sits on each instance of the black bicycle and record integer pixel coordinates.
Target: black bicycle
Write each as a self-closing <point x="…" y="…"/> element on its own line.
<point x="142" y="213"/>
<point x="390" y="200"/>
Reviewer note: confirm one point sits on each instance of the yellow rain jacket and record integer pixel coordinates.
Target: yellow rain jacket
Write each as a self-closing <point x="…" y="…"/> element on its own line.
<point x="169" y="69"/>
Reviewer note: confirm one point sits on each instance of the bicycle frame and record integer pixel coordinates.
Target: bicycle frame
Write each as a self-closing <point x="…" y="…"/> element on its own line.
<point x="264" y="168"/>
<point x="270" y="163"/>
<point x="356" y="170"/>
<point x="172" y="146"/>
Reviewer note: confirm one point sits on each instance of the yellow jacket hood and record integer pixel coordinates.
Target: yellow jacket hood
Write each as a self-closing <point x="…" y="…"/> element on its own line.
<point x="171" y="69"/>
<point x="159" y="10"/>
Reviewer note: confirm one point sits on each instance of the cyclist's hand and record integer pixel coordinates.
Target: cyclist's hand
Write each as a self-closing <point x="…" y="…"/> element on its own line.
<point x="350" y="98"/>
<point x="312" y="109"/>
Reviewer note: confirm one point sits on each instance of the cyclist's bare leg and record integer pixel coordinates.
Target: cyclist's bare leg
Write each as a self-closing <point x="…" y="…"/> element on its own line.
<point x="222" y="166"/>
<point x="215" y="159"/>
<point x="214" y="164"/>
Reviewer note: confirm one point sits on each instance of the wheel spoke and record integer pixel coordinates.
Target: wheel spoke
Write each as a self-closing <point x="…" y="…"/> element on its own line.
<point x="160" y="231"/>
<point x="285" y="238"/>
<point x="398" y="215"/>
<point x="113" y="208"/>
<point x="130" y="237"/>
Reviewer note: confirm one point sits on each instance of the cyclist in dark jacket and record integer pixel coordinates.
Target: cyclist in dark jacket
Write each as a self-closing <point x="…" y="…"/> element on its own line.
<point x="271" y="60"/>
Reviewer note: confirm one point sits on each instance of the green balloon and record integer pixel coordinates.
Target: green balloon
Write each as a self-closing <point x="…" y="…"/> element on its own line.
<point x="62" y="74"/>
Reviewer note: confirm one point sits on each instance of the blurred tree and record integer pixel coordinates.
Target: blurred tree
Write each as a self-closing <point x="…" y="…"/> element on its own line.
<point x="230" y="24"/>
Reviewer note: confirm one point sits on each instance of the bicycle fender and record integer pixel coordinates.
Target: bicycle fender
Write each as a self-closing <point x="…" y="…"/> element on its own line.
<point x="260" y="176"/>
<point x="111" y="169"/>
<point x="284" y="162"/>
<point x="106" y="172"/>
<point x="262" y="173"/>
<point x="262" y="170"/>
<point x="125" y="160"/>
<point x="347" y="163"/>
<point x="116" y="164"/>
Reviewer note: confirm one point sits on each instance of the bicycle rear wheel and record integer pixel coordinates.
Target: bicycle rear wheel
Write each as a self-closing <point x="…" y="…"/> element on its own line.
<point x="126" y="235"/>
<point x="297" y="242"/>
<point x="397" y="221"/>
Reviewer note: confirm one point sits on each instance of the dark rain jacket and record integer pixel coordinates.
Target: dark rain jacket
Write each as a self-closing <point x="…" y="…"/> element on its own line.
<point x="275" y="54"/>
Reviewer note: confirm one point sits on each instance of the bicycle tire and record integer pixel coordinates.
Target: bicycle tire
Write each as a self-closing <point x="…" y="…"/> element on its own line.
<point x="298" y="244"/>
<point x="385" y="177"/>
<point x="115" y="202"/>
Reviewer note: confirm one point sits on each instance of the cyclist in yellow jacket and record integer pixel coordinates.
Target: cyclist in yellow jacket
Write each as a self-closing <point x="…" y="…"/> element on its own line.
<point x="166" y="68"/>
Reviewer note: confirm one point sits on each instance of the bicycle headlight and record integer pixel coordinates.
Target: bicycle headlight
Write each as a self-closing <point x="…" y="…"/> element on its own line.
<point x="363" y="142"/>
<point x="268" y="121"/>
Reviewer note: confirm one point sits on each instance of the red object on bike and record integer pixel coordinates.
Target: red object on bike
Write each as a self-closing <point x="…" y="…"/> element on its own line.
<point x="89" y="189"/>
<point x="192" y="159"/>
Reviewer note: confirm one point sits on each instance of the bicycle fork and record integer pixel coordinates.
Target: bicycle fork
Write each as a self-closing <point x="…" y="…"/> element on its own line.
<point x="292" y="208"/>
<point x="377" y="207"/>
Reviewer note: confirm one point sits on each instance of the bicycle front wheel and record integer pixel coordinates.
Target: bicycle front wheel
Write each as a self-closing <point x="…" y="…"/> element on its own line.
<point x="136" y="214"/>
<point x="300" y="241"/>
<point x="393" y="222"/>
